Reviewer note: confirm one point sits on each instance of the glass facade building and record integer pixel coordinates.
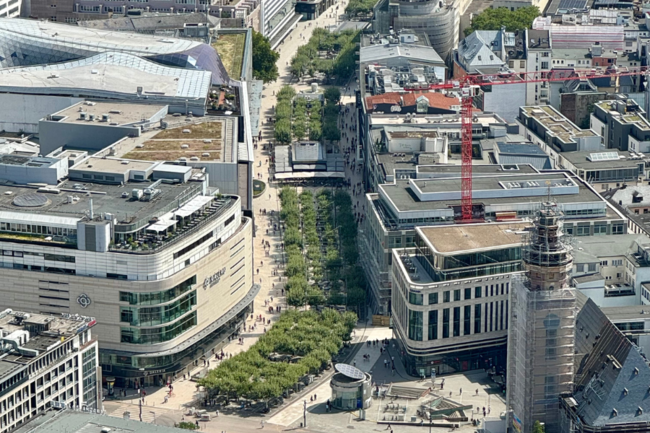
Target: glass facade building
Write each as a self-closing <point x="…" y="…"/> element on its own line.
<point x="450" y="301"/>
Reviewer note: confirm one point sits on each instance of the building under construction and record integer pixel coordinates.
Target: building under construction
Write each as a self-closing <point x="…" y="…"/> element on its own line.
<point x="542" y="328"/>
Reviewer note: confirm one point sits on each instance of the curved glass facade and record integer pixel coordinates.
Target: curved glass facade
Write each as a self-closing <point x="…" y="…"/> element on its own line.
<point x="151" y="316"/>
<point x="157" y="335"/>
<point x="155" y="298"/>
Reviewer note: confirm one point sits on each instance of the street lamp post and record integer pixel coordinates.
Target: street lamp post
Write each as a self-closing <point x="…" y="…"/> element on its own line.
<point x="304" y="412"/>
<point x="140" y="403"/>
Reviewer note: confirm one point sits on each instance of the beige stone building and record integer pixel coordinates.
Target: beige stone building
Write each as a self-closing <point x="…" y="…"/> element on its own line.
<point x="164" y="266"/>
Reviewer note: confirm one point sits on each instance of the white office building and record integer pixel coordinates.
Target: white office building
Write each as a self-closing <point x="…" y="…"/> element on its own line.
<point x="46" y="361"/>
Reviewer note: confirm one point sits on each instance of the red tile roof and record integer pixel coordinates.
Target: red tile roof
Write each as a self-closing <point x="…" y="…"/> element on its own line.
<point x="437" y="100"/>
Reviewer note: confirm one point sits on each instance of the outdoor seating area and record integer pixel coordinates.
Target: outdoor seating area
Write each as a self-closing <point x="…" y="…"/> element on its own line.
<point x="174" y="225"/>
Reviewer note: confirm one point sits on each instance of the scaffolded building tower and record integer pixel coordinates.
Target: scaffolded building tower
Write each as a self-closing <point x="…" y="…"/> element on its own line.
<point x="541" y="339"/>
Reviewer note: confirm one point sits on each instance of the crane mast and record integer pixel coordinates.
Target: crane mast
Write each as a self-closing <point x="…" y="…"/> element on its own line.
<point x="466" y="149"/>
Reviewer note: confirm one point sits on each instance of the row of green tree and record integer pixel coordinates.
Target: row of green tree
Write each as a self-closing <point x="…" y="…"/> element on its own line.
<point x="299" y="290"/>
<point x="331" y="129"/>
<point x="306" y="120"/>
<point x="329" y="53"/>
<point x="342" y="256"/>
<point x="315" y="337"/>
<point x="299" y="117"/>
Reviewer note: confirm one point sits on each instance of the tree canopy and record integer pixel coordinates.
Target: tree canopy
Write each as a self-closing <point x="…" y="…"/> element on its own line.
<point x="332" y="94"/>
<point x="538" y="427"/>
<point x="360" y="7"/>
<point x="265" y="67"/>
<point x="330" y="53"/>
<point x="314" y="337"/>
<point x="494" y="19"/>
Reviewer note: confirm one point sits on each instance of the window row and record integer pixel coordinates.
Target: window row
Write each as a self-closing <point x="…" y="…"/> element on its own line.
<point x="457" y="321"/>
<point x="155" y="298"/>
<point x="461" y="294"/>
<point x="35" y="229"/>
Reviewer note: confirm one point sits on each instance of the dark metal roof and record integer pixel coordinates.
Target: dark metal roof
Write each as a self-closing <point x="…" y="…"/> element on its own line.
<point x="612" y="376"/>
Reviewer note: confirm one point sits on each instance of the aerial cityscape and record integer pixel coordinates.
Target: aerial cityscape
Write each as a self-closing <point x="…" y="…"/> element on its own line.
<point x="320" y="216"/>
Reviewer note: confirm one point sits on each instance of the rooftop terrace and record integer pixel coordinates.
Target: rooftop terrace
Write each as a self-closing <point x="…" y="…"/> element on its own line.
<point x="628" y="117"/>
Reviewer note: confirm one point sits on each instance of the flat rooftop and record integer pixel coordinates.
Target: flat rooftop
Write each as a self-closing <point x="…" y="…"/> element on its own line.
<point x="106" y="199"/>
<point x="204" y="141"/>
<point x="412" y="134"/>
<point x="53" y="328"/>
<point x="557" y="123"/>
<point x="628" y="117"/>
<point x="480" y="170"/>
<point x="230" y="47"/>
<point x="607" y="159"/>
<point x="27" y="161"/>
<point x="390" y="162"/>
<point x="119" y="113"/>
<point x="632" y="312"/>
<point x="482" y="119"/>
<point x="456" y="238"/>
<point x="405" y="200"/>
<point x="608" y="245"/>
<point x="112" y="165"/>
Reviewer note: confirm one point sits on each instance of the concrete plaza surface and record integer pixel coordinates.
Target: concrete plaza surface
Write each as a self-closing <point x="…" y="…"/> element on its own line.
<point x="290" y="416"/>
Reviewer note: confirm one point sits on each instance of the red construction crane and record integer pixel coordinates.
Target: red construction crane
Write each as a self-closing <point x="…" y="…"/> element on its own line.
<point x="468" y="86"/>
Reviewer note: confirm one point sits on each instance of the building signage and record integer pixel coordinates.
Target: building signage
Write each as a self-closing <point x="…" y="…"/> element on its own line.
<point x="214" y="279"/>
<point x="84" y="300"/>
<point x="395" y="108"/>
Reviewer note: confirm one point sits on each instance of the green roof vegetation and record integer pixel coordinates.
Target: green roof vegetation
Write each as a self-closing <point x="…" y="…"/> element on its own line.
<point x="230" y="47"/>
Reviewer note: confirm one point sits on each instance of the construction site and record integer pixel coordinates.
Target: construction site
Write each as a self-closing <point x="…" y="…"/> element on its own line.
<point x="542" y="333"/>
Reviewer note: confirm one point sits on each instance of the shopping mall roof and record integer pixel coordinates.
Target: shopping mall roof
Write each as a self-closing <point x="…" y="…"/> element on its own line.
<point x="31" y="42"/>
<point x="120" y="113"/>
<point x="110" y="75"/>
<point x="94" y="39"/>
<point x="70" y="201"/>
